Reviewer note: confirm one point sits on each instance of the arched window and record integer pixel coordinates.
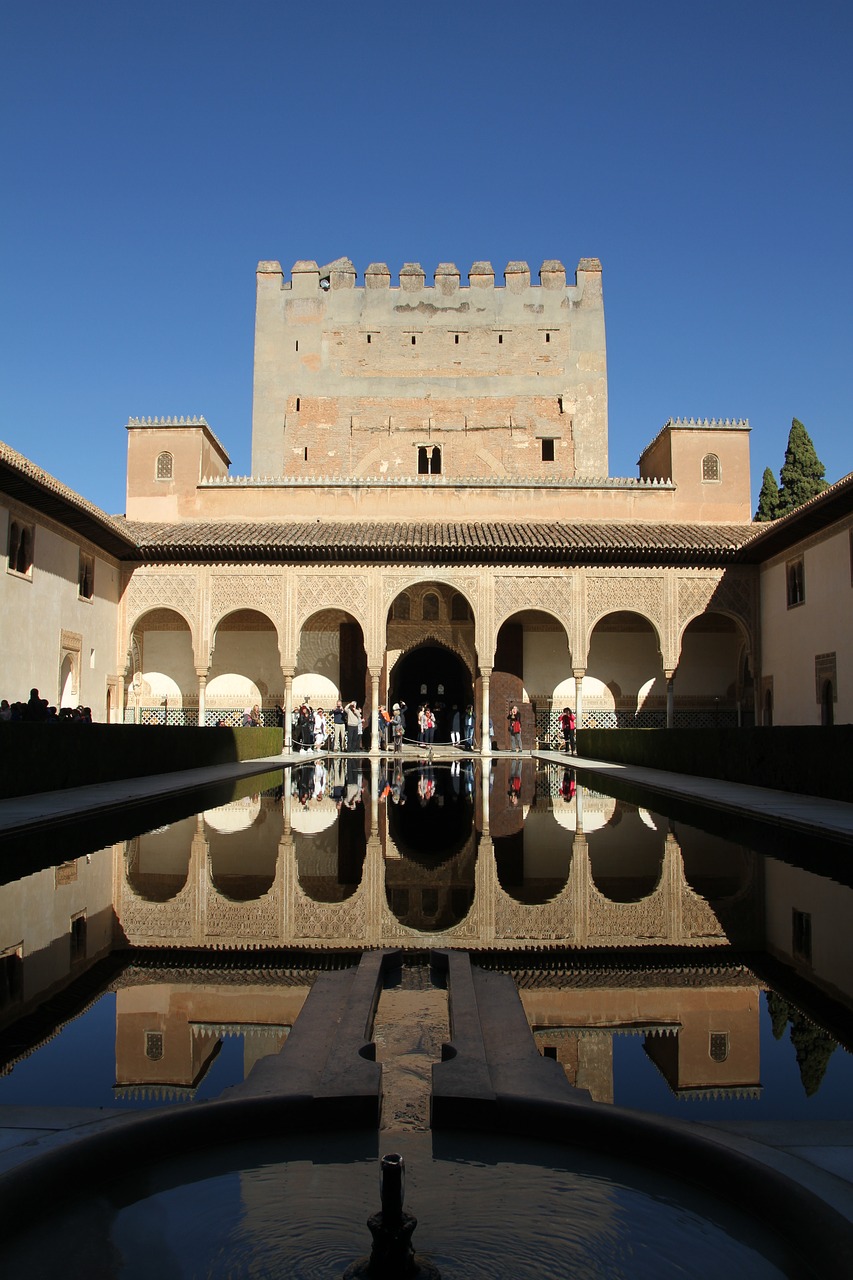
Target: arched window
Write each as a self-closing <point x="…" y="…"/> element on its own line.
<point x="796" y="580"/>
<point x="430" y="613"/>
<point x="20" y="548"/>
<point x="460" y="610"/>
<point x="86" y="576"/>
<point x="711" y="467"/>
<point x="164" y="466"/>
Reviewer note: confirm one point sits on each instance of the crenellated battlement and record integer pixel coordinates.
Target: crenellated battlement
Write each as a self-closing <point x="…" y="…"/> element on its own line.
<point x="713" y="424"/>
<point x="307" y="276"/>
<point x="196" y="420"/>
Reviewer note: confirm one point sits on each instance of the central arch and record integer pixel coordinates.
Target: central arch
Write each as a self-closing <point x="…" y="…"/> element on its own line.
<point x="431" y="672"/>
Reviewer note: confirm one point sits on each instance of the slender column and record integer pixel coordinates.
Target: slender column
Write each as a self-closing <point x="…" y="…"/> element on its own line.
<point x="579" y="675"/>
<point x="485" y="783"/>
<point x="485" y="735"/>
<point x="670" y="698"/>
<point x="374" y="712"/>
<point x="288" y="709"/>
<point x="374" y="796"/>
<point x="201" y="674"/>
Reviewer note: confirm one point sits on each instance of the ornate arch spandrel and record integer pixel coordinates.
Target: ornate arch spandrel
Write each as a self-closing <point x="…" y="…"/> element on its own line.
<point x="731" y="592"/>
<point x="148" y="590"/>
<point x="317" y="592"/>
<point x="552" y="594"/>
<point x="245" y="588"/>
<point x="637" y="592"/>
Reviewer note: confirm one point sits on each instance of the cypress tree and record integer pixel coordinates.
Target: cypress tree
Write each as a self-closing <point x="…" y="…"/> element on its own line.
<point x="768" y="498"/>
<point x="802" y="473"/>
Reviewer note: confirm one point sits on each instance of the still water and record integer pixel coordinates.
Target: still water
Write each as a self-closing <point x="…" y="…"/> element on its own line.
<point x="668" y="965"/>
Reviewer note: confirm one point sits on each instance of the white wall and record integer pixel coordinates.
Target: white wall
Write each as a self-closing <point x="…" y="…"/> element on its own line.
<point x="34" y="611"/>
<point x="823" y="623"/>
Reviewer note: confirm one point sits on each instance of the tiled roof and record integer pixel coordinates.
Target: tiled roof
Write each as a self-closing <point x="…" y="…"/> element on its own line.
<point x="612" y="541"/>
<point x="23" y="480"/>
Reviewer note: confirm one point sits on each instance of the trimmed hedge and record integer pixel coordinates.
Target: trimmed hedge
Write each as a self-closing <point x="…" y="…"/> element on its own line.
<point x="52" y="757"/>
<point x="809" y="759"/>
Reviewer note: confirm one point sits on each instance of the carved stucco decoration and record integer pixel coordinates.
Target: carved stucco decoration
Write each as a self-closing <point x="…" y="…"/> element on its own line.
<point x="639" y="592"/>
<point x="699" y="920"/>
<point x="258" y="919"/>
<point x="467" y="585"/>
<point x="552" y="593"/>
<point x="624" y="923"/>
<point x="159" y="590"/>
<point x="517" y="923"/>
<point x="424" y="633"/>
<point x="146" y="923"/>
<point x="344" y="923"/>
<point x="733" y="592"/>
<point x="245" y="588"/>
<point x="349" y="592"/>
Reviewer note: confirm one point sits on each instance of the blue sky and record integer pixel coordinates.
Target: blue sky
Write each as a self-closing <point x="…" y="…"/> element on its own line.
<point x="153" y="153"/>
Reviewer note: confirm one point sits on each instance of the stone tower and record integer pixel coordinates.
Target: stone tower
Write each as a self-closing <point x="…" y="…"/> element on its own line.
<point x="477" y="382"/>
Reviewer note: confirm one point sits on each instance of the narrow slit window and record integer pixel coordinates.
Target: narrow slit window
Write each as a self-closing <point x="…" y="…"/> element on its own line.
<point x="547" y="336"/>
<point x="369" y="338"/>
<point x="305" y="454"/>
<point x="456" y="339"/>
<point x="298" y="404"/>
<point x="414" y="340"/>
<point x="500" y="339"/>
<point x="297" y="344"/>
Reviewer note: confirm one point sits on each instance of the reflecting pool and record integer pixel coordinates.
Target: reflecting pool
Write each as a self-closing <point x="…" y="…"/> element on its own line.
<point x="666" y="964"/>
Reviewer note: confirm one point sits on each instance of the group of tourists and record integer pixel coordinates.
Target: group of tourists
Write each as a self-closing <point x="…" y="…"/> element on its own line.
<point x="36" y="710"/>
<point x="341" y="730"/>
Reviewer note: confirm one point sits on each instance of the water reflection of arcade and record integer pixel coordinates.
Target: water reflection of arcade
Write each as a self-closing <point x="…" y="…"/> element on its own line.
<point x="351" y="854"/>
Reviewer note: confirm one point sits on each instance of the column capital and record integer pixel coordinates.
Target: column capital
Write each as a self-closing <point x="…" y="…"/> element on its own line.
<point x="485" y="672"/>
<point x="202" y="672"/>
<point x="288" y="669"/>
<point x="579" y="672"/>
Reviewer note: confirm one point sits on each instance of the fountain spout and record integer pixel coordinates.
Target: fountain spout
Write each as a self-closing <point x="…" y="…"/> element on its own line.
<point x="392" y="1256"/>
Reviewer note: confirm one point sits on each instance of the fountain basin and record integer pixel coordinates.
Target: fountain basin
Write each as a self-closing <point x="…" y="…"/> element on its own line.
<point x="259" y="1186"/>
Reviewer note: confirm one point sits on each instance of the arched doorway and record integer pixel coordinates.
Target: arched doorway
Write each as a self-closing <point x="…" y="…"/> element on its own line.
<point x="431" y="673"/>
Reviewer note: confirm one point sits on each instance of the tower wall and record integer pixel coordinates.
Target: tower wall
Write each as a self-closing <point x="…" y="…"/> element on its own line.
<point x="470" y="381"/>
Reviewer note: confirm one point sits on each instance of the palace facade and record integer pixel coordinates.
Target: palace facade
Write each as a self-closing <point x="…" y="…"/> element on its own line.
<point x="430" y="517"/>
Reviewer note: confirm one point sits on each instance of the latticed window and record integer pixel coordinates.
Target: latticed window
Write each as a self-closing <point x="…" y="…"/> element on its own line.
<point x="710" y="467"/>
<point x="165" y="465"/>
<point x="719" y="1046"/>
<point x="154" y="1045"/>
